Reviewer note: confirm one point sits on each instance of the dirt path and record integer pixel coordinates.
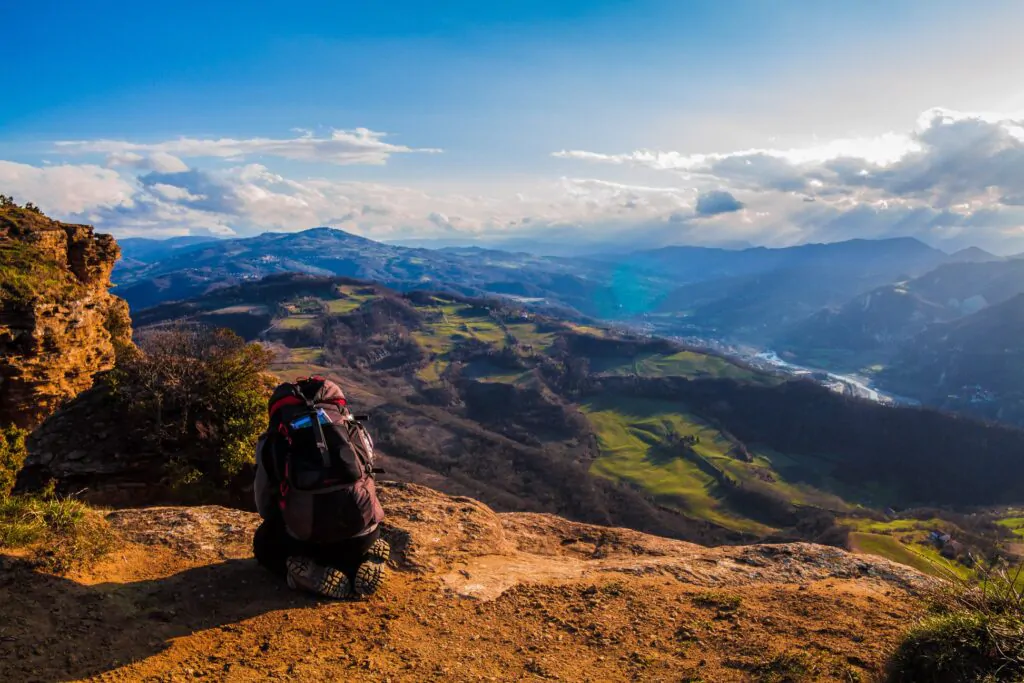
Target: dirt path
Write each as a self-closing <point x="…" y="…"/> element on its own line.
<point x="181" y="600"/>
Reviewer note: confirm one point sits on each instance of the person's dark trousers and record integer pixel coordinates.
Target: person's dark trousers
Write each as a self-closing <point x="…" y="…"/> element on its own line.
<point x="273" y="545"/>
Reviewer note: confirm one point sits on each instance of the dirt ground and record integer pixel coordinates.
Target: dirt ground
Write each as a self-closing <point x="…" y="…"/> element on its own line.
<point x="472" y="596"/>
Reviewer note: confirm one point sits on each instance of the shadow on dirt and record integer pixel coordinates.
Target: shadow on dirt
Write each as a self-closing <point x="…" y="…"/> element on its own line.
<point x="54" y="629"/>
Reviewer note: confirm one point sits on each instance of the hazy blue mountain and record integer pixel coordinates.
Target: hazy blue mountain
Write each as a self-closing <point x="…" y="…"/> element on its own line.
<point x="754" y="294"/>
<point x="975" y="255"/>
<point x="148" y="250"/>
<point x="872" y="326"/>
<point x="696" y="264"/>
<point x="974" y="364"/>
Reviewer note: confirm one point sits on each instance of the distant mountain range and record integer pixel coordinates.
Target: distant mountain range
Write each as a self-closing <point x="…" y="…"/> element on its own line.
<point x="137" y="251"/>
<point x="874" y="325"/>
<point x="724" y="286"/>
<point x="974" y="364"/>
<point x="858" y="305"/>
<point x="193" y="269"/>
<point x="754" y="294"/>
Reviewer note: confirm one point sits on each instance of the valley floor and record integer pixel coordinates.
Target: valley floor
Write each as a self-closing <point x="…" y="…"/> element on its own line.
<point x="474" y="595"/>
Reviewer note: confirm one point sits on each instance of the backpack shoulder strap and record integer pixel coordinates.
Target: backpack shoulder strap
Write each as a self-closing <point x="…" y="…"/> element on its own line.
<point x="318" y="430"/>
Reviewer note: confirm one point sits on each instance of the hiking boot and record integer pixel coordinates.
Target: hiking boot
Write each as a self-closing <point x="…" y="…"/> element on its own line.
<point x="305" y="574"/>
<point x="379" y="552"/>
<point x="370" y="574"/>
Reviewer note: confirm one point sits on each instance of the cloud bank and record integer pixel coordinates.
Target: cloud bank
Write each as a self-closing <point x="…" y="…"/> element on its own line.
<point x="344" y="147"/>
<point x="954" y="176"/>
<point x="952" y="179"/>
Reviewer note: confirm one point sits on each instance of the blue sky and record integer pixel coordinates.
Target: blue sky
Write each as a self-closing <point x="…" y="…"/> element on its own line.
<point x="509" y="120"/>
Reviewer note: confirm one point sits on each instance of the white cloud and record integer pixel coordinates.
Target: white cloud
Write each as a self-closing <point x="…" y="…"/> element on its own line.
<point x="65" y="189"/>
<point x="949" y="157"/>
<point x="344" y="147"/>
<point x="881" y="150"/>
<point x="161" y="162"/>
<point x="175" y="193"/>
<point x="956" y="177"/>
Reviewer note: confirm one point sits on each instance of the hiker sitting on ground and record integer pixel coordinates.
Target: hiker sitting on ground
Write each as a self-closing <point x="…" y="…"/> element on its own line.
<point x="315" y="491"/>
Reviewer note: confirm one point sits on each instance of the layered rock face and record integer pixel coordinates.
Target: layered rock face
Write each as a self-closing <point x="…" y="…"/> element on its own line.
<point x="59" y="323"/>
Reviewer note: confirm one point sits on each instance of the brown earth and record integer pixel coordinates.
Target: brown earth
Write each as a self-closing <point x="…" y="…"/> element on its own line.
<point x="473" y="595"/>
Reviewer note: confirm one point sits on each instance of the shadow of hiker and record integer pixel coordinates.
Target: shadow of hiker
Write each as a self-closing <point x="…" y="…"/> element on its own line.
<point x="55" y="629"/>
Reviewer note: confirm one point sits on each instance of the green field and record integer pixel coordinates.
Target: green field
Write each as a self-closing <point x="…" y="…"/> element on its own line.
<point x="295" y="322"/>
<point x="634" y="436"/>
<point x="452" y="322"/>
<point x="305" y="354"/>
<point x="903" y="526"/>
<point x="484" y="371"/>
<point x="588" y="329"/>
<point x="350" y="299"/>
<point x="252" y="309"/>
<point x="342" y="306"/>
<point x="527" y="333"/>
<point x="921" y="557"/>
<point x="431" y="372"/>
<point x="689" y="364"/>
<point x="1014" y="524"/>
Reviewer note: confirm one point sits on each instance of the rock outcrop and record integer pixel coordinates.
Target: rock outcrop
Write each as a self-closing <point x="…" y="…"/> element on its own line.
<point x="59" y="323"/>
<point x="473" y="595"/>
<point x="87" y="450"/>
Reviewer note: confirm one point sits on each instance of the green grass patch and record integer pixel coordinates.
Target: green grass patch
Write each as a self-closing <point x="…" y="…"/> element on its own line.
<point x="27" y="273"/>
<point x="350" y="298"/>
<point x="964" y="645"/>
<point x="452" y="323"/>
<point x="12" y="456"/>
<point x="305" y="354"/>
<point x="484" y="371"/>
<point x="694" y="365"/>
<point x="893" y="525"/>
<point x="588" y="329"/>
<point x="432" y="343"/>
<point x="974" y="632"/>
<point x="527" y="333"/>
<point x="922" y="558"/>
<point x="689" y="364"/>
<point x="295" y="322"/>
<point x="1014" y="524"/>
<point x="634" y="435"/>
<point x="723" y="602"/>
<point x="433" y="371"/>
<point x="252" y="309"/>
<point x="62" y="533"/>
<point x="636" y="439"/>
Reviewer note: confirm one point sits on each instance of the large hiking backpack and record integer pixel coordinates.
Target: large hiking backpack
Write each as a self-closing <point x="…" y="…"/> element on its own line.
<point x="323" y="458"/>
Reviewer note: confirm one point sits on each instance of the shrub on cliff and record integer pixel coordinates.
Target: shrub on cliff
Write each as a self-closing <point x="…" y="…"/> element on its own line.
<point x="974" y="634"/>
<point x="12" y="455"/>
<point x="198" y="395"/>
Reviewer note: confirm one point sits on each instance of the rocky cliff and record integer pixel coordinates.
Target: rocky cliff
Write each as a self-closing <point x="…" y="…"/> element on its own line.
<point x="473" y="595"/>
<point x="59" y="323"/>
